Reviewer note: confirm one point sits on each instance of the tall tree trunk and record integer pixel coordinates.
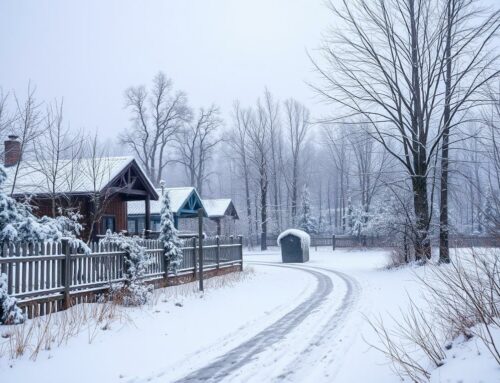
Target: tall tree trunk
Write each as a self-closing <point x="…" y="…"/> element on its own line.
<point x="263" y="206"/>
<point x="444" y="245"/>
<point x="419" y="178"/>
<point x="249" y="206"/>
<point x="294" y="192"/>
<point x="421" y="207"/>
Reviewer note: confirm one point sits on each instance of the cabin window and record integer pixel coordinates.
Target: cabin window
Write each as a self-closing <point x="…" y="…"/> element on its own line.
<point x="140" y="225"/>
<point x="108" y="223"/>
<point x="132" y="226"/>
<point x="156" y="224"/>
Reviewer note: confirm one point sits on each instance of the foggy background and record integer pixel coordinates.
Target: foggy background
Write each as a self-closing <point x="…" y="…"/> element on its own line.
<point x="89" y="52"/>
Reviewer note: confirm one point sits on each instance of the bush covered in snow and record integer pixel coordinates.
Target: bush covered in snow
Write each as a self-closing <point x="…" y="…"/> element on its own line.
<point x="169" y="236"/>
<point x="133" y="291"/>
<point x="10" y="313"/>
<point x="18" y="224"/>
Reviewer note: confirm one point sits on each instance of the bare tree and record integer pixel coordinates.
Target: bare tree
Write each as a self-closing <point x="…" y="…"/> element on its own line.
<point x="275" y="135"/>
<point x="297" y="122"/>
<point x="259" y="138"/>
<point x="57" y="152"/>
<point x="369" y="161"/>
<point x="491" y="148"/>
<point x="196" y="144"/>
<point x="157" y="117"/>
<point x="468" y="68"/>
<point x="6" y="118"/>
<point x="96" y="169"/>
<point x="384" y="65"/>
<point x="27" y="125"/>
<point x="239" y="140"/>
<point x="337" y="147"/>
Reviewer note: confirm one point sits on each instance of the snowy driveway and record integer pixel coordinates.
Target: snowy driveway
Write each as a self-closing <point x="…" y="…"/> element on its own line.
<point x="309" y="327"/>
<point x="283" y="323"/>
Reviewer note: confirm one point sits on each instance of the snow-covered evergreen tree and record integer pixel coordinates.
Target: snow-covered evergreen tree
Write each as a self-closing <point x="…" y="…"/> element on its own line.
<point x="307" y="221"/>
<point x="491" y="213"/>
<point x="169" y="236"/>
<point x="10" y="313"/>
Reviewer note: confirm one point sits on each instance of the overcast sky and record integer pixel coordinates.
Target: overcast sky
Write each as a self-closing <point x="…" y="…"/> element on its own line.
<point x="89" y="52"/>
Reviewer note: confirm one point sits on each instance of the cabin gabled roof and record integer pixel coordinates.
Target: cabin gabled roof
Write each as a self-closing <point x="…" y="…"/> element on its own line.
<point x="184" y="202"/>
<point x="218" y="208"/>
<point x="82" y="177"/>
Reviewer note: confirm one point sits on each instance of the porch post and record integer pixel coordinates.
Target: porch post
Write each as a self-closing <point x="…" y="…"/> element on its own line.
<point x="147" y="219"/>
<point x="219" y="229"/>
<point x="176" y="221"/>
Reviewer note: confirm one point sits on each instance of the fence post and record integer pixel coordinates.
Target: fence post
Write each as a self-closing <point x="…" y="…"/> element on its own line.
<point x="333" y="242"/>
<point x="194" y="258"/>
<point x="200" y="245"/>
<point x="240" y="240"/>
<point x="66" y="272"/>
<point x="166" y="262"/>
<point x="217" y="251"/>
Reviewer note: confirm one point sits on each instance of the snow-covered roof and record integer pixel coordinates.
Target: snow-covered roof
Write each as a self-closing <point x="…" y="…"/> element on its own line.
<point x="73" y="177"/>
<point x="305" y="239"/>
<point x="217" y="208"/>
<point x="178" y="198"/>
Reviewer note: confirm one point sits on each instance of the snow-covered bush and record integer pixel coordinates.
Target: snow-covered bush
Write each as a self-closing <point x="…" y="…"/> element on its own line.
<point x="133" y="291"/>
<point x="10" y="313"/>
<point x="168" y="235"/>
<point x="18" y="224"/>
<point x="307" y="222"/>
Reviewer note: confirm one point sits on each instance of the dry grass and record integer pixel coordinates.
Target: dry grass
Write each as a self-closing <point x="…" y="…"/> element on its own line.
<point x="463" y="298"/>
<point x="55" y="329"/>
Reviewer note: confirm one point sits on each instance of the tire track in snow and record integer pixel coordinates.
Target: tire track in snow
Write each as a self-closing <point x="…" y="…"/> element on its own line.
<point x="324" y="340"/>
<point x="243" y="354"/>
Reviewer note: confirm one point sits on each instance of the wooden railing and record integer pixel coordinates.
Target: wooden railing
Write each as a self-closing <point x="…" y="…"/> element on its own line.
<point x="50" y="277"/>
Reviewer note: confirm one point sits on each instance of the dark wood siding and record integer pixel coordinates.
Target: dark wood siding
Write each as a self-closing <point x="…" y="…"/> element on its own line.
<point x="115" y="207"/>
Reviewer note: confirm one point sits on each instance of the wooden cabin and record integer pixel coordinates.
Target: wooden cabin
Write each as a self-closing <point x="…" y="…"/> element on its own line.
<point x="223" y="213"/>
<point x="98" y="188"/>
<point x="184" y="203"/>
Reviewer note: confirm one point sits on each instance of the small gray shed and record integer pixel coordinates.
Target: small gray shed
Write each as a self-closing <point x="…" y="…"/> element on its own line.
<point x="294" y="246"/>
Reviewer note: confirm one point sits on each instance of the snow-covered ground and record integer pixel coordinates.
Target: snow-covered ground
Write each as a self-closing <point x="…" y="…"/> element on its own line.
<point x="291" y="323"/>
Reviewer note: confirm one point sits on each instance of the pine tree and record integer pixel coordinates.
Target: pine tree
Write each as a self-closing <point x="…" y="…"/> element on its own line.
<point x="491" y="213"/>
<point x="169" y="236"/>
<point x="307" y="222"/>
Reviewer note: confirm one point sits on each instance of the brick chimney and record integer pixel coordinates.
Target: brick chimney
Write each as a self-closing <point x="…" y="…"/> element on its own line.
<point x="12" y="151"/>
